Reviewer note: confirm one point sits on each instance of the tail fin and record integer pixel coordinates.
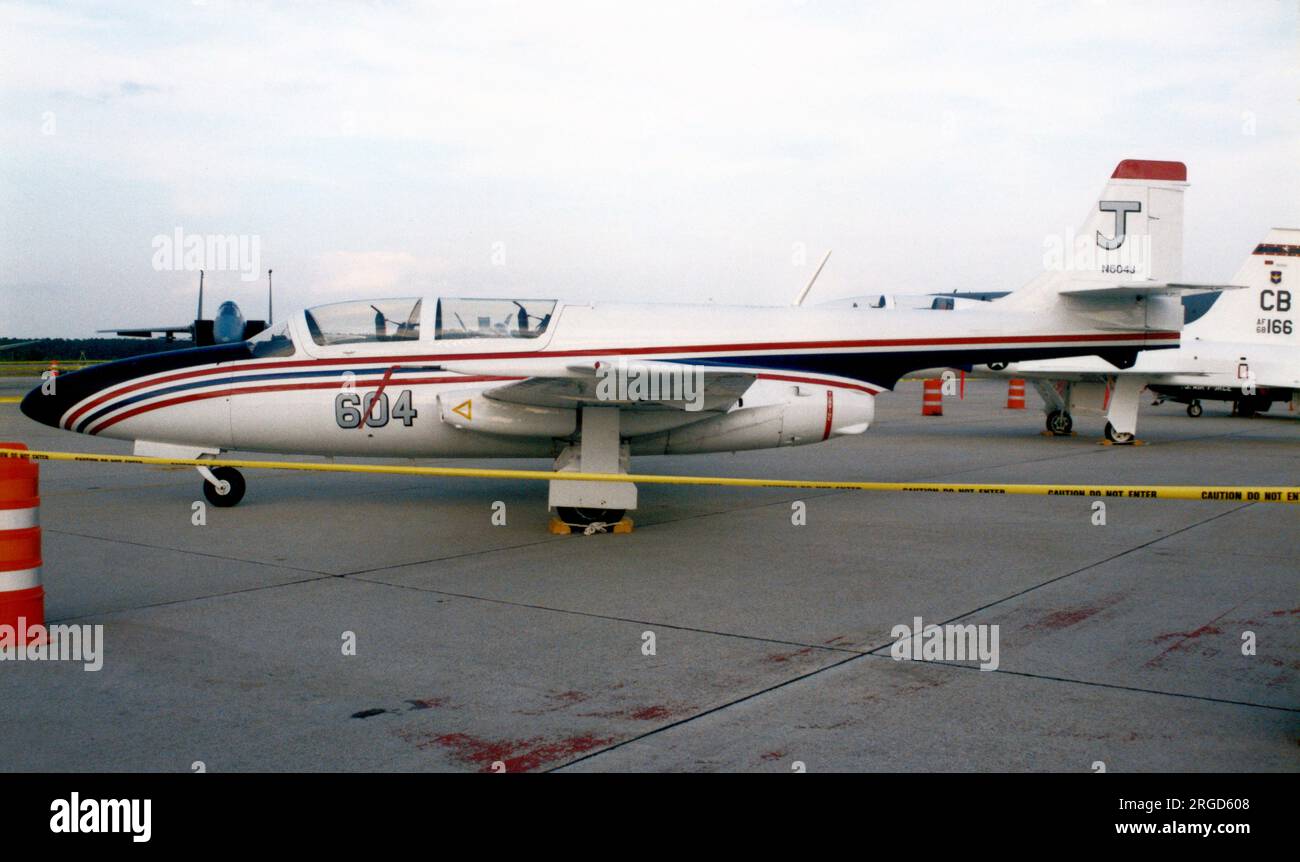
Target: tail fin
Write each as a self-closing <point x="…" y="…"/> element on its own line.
<point x="1265" y="312"/>
<point x="1132" y="234"/>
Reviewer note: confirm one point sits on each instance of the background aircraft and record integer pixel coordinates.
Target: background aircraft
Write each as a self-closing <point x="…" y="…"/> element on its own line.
<point x="456" y="377"/>
<point x="1244" y="349"/>
<point x="227" y="327"/>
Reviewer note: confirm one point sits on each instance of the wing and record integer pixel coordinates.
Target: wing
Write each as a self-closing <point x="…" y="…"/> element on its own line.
<point x="636" y="386"/>
<point x="148" y="332"/>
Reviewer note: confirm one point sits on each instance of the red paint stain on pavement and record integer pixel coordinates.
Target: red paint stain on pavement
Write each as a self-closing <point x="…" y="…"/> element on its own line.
<point x="645" y="713"/>
<point x="1192" y="635"/>
<point x="651" y="713"/>
<point x="570" y="697"/>
<point x="786" y="656"/>
<point x="773" y="755"/>
<point x="518" y="755"/>
<point x="1181" y="638"/>
<point x="1067" y="617"/>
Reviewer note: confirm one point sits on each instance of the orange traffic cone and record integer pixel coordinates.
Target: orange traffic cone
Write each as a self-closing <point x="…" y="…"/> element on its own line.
<point x="1016" y="395"/>
<point x="932" y="401"/>
<point x="22" y="600"/>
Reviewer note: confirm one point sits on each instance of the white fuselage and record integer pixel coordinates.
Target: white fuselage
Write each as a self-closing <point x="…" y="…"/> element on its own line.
<point x="816" y="372"/>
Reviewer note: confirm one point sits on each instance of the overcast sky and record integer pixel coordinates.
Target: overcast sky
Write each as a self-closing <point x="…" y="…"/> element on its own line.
<point x="630" y="151"/>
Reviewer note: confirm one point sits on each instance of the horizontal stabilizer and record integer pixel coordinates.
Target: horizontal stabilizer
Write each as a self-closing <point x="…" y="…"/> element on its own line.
<point x="1147" y="288"/>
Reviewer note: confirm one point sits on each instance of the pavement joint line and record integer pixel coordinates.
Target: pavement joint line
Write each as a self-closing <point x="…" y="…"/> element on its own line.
<point x="435" y="560"/>
<point x="356" y="576"/>
<point x="223" y="557"/>
<point x="1082" y="569"/>
<point x="872" y="653"/>
<point x="323" y="576"/>
<point x="710" y="711"/>
<point x="1111" y="685"/>
<point x="188" y="599"/>
<point x="551" y="539"/>
<point x="610" y="617"/>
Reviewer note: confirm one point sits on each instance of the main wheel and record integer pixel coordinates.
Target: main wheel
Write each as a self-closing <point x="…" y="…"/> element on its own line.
<point x="1195" y="409"/>
<point x="1115" y="437"/>
<point x="1255" y="405"/>
<point x="576" y="517"/>
<point x="231" y="480"/>
<point x="1060" y="423"/>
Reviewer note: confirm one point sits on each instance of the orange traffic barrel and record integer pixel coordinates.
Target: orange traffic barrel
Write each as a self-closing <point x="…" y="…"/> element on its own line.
<point x="932" y="400"/>
<point x="1016" y="395"/>
<point x="22" y="600"/>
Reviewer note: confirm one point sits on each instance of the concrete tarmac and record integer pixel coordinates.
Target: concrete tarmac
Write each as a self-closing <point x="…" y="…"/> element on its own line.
<point x="478" y="644"/>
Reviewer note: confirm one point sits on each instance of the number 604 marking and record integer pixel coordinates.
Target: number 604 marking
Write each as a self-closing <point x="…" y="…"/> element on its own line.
<point x="351" y="407"/>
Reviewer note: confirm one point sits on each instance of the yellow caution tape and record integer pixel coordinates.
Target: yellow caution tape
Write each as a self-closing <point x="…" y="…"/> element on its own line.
<point x="1227" y="493"/>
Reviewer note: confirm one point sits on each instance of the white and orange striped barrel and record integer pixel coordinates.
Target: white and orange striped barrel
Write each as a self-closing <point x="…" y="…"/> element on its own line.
<point x="932" y="400"/>
<point x="22" y="599"/>
<point x="1016" y="394"/>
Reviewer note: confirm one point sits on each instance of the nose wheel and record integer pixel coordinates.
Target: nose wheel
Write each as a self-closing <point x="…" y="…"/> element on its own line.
<point x="1194" y="409"/>
<point x="223" y="486"/>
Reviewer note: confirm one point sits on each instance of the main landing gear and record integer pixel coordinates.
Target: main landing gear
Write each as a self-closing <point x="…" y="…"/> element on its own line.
<point x="1060" y="423"/>
<point x="223" y="486"/>
<point x="1116" y="437"/>
<point x="577" y="517"/>
<point x="1250" y="406"/>
<point x="594" y="506"/>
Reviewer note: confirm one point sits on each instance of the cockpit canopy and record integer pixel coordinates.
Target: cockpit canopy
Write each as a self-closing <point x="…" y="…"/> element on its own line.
<point x="492" y="318"/>
<point x="275" y="340"/>
<point x="384" y="320"/>
<point x="365" y="321"/>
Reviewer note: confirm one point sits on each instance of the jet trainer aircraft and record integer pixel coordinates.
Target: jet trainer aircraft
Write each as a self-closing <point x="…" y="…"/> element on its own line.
<point x="1244" y="349"/>
<point x="429" y="377"/>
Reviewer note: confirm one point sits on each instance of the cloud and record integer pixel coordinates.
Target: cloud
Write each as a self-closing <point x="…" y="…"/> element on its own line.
<point x="668" y="151"/>
<point x="350" y="274"/>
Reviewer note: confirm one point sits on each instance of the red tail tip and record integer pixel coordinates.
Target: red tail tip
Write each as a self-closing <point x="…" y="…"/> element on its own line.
<point x="1142" y="169"/>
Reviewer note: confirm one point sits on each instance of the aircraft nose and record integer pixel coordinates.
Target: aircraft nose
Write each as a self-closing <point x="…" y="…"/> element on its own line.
<point x="51" y="401"/>
<point x="44" y="406"/>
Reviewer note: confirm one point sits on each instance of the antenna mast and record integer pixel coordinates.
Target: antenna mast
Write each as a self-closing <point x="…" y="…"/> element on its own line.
<point x="813" y="280"/>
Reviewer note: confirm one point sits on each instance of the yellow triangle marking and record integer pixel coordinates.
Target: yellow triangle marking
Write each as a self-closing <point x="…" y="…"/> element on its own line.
<point x="464" y="409"/>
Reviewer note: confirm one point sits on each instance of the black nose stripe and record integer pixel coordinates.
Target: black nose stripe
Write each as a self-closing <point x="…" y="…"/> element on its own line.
<point x="71" y="388"/>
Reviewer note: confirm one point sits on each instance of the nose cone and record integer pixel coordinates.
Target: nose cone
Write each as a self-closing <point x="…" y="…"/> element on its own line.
<point x="50" y="402"/>
<point x="228" y="325"/>
<point x="42" y="407"/>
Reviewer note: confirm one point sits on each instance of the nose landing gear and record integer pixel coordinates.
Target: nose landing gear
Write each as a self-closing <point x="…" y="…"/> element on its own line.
<point x="1194" y="409"/>
<point x="223" y="486"/>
